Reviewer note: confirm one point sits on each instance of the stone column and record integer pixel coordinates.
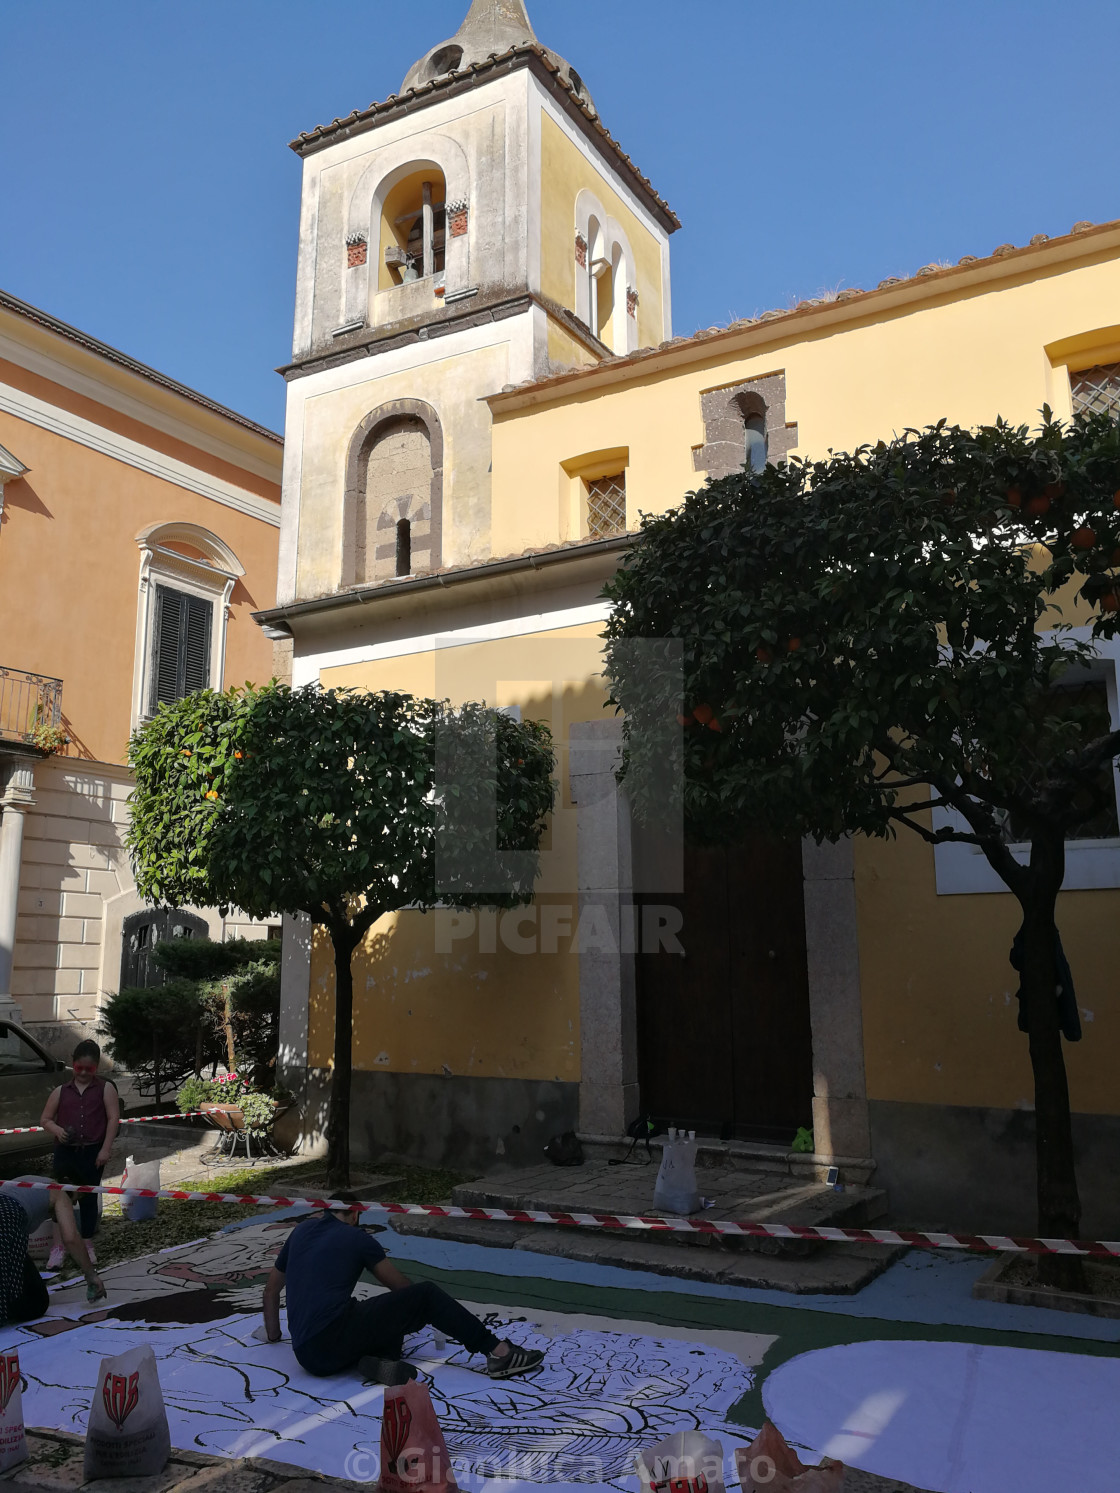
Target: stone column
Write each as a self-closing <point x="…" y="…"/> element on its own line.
<point x="608" y="1096"/>
<point x="840" y="1120"/>
<point x="17" y="778"/>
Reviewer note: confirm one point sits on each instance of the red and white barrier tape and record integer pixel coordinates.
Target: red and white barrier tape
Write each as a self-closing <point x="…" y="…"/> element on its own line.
<point x="622" y="1223"/>
<point x="180" y="1114"/>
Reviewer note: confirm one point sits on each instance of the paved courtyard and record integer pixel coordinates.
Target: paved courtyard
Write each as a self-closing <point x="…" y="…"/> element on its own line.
<point x="909" y="1381"/>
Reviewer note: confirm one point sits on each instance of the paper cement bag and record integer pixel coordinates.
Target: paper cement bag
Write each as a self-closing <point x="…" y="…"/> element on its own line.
<point x="675" y="1191"/>
<point x="688" y="1462"/>
<point x="128" y="1435"/>
<point x="146" y="1175"/>
<point x="770" y="1465"/>
<point x="414" y="1457"/>
<point x="13" y="1443"/>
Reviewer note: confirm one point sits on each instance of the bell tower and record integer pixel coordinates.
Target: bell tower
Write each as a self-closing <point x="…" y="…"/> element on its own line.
<point x="478" y="229"/>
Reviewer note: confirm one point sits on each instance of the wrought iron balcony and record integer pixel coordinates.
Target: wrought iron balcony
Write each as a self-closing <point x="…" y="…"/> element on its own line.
<point x="30" y="705"/>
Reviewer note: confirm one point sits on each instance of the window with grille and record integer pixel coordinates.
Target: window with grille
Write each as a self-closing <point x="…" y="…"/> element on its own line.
<point x="1096" y="390"/>
<point x="606" y="506"/>
<point x="180" y="646"/>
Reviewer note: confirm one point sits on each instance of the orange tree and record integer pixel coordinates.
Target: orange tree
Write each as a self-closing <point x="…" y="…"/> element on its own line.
<point x="341" y="805"/>
<point x="874" y="641"/>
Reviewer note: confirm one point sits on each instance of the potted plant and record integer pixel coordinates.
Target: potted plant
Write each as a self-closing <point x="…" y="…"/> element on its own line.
<point x="232" y="1103"/>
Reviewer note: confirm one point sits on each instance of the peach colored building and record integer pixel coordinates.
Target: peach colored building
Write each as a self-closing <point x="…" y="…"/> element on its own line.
<point x="138" y="530"/>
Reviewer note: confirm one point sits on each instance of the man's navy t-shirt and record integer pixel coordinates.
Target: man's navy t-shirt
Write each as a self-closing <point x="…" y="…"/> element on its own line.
<point x="322" y="1260"/>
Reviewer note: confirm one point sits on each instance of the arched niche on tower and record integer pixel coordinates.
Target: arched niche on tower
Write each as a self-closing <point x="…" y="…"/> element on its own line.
<point x="444" y="162"/>
<point x="393" y="504"/>
<point x="606" y="283"/>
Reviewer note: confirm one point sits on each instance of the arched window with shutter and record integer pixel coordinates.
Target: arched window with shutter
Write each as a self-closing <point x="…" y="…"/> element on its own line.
<point x="187" y="576"/>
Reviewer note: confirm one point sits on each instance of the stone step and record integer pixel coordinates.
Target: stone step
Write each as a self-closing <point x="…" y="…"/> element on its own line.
<point x="735" y="1193"/>
<point x="834" y="1269"/>
<point x="753" y="1156"/>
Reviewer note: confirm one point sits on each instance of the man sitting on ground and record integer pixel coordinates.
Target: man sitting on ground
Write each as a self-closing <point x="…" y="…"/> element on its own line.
<point x="320" y="1264"/>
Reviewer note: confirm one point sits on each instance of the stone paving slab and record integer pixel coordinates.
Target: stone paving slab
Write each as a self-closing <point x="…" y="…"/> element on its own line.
<point x="836" y="1269"/>
<point x="54" y="1465"/>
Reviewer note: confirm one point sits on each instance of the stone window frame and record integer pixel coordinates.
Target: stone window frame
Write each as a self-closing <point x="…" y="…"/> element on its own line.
<point x="212" y="578"/>
<point x="357" y="456"/>
<point x="725" y="412"/>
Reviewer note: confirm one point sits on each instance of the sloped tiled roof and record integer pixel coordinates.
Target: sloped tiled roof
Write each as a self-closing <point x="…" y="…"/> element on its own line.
<point x="929" y="274"/>
<point x="324" y="134"/>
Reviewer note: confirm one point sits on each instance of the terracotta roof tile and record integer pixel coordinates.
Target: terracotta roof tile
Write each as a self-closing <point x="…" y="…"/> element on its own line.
<point x="321" y="134"/>
<point x="927" y="272"/>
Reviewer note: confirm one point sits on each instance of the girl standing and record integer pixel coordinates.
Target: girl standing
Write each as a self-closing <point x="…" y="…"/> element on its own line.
<point x="83" y="1116"/>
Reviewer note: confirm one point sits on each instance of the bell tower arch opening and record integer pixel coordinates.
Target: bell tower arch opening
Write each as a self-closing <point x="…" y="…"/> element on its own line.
<point x="413" y="240"/>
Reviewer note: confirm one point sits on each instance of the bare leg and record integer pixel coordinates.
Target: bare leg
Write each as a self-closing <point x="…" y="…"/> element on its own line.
<point x="67" y="1226"/>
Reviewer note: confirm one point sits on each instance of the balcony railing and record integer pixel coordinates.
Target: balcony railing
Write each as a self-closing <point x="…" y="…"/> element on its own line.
<point x="29" y="703"/>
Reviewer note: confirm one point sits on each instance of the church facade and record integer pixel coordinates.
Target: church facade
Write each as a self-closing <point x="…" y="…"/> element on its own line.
<point x="484" y="394"/>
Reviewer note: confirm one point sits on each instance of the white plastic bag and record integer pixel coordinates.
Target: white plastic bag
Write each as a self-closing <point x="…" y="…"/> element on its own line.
<point x="676" y="1180"/>
<point x="688" y="1462"/>
<point x="146" y="1175"/>
<point x="13" y="1442"/>
<point x="128" y="1434"/>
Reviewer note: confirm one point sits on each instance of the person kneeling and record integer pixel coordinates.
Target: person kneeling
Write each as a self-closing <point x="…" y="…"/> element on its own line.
<point x="320" y="1264"/>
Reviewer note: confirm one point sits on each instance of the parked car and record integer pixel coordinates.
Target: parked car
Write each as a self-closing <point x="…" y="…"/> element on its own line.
<point x="28" y="1073"/>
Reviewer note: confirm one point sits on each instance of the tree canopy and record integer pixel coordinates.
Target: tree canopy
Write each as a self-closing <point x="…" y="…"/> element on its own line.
<point x="873" y="636"/>
<point x="342" y="805"/>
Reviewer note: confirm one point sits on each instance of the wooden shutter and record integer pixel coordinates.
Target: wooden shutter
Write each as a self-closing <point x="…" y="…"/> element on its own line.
<point x="180" y="645"/>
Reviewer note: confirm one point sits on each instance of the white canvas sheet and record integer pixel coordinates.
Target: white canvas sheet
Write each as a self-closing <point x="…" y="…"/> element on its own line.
<point x="604" y="1394"/>
<point x="957" y="1417"/>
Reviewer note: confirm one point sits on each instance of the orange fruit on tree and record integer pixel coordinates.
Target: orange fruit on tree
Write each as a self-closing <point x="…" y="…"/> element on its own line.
<point x="1015" y="496"/>
<point x="684" y="720"/>
<point x="793" y="645"/>
<point x="1116" y="498"/>
<point x="1110" y="602"/>
<point x="714" y="725"/>
<point x="703" y="714"/>
<point x="764" y="655"/>
<point x="1083" y="538"/>
<point x="1038" y="505"/>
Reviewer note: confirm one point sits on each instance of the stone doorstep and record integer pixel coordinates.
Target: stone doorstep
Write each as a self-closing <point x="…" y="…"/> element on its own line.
<point x="836" y="1269"/>
<point x="990" y="1287"/>
<point x="750" y="1155"/>
<point x="596" y="1187"/>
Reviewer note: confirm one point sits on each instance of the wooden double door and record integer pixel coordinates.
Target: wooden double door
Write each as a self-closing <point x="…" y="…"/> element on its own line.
<point x="724" y="1035"/>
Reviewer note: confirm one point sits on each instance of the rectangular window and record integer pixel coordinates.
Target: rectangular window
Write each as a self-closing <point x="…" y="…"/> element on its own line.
<point x="1096" y="390"/>
<point x="180" y="646"/>
<point x="606" y="506"/>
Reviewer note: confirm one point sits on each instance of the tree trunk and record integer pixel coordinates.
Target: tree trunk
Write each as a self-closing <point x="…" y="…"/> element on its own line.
<point x="155" y="1065"/>
<point x="1059" y="1204"/>
<point x="227" y="1027"/>
<point x="338" y="1113"/>
<point x="198" y="1051"/>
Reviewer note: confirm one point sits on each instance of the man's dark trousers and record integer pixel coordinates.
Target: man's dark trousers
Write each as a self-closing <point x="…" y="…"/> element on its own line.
<point x="377" y="1328"/>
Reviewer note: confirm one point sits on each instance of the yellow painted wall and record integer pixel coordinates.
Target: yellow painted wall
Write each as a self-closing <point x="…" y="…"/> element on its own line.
<point x="969" y="358"/>
<point x="938" y="993"/>
<point x="481" y="1014"/>
<point x="566" y="351"/>
<point x="565" y="172"/>
<point x="69" y="564"/>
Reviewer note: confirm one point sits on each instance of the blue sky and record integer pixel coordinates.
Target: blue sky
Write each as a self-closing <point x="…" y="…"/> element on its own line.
<point x="147" y="194"/>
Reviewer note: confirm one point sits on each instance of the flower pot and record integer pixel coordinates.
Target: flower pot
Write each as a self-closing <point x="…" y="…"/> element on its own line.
<point x="225" y="1116"/>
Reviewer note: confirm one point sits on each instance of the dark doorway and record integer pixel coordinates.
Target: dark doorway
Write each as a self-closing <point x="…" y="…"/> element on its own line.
<point x="143" y="931"/>
<point x="724" y="1035"/>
